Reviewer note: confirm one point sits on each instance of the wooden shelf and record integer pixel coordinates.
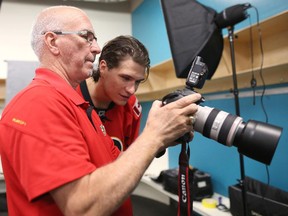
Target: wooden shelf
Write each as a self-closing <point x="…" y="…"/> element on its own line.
<point x="274" y="33"/>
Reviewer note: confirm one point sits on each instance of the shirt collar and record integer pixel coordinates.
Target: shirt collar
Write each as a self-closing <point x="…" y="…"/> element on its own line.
<point x="60" y="85"/>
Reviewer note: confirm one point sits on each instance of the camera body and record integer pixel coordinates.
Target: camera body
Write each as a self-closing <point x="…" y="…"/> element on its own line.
<point x="196" y="78"/>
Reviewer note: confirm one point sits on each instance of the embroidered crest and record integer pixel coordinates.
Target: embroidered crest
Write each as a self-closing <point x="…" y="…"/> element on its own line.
<point x="137" y="108"/>
<point x="103" y="129"/>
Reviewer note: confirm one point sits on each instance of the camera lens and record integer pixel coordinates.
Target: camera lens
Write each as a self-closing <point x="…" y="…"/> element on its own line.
<point x="257" y="140"/>
<point x="254" y="139"/>
<point x="217" y="124"/>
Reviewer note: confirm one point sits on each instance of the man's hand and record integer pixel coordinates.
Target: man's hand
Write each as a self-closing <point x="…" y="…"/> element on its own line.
<point x="167" y="123"/>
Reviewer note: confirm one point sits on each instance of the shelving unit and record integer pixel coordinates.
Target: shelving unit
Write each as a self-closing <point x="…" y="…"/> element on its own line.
<point x="274" y="33"/>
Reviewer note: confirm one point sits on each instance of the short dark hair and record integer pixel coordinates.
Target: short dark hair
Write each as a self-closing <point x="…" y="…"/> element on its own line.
<point x="117" y="49"/>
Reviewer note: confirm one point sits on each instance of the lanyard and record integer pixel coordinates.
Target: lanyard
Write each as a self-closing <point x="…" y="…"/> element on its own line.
<point x="185" y="206"/>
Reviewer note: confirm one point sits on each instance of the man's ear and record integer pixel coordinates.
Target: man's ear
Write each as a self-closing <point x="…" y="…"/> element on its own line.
<point x="51" y="42"/>
<point x="103" y="66"/>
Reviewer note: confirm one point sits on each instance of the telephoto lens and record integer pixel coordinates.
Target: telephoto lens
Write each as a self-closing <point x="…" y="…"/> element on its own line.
<point x="255" y="139"/>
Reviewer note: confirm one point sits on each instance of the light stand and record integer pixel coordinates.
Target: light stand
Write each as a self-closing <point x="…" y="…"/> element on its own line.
<point x="237" y="108"/>
<point x="228" y="18"/>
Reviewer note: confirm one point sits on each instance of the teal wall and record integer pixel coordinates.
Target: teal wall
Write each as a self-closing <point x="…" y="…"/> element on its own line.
<point x="206" y="154"/>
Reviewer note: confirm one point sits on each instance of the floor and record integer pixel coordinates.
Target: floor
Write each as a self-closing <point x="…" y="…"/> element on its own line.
<point x="3" y="205"/>
<point x="144" y="207"/>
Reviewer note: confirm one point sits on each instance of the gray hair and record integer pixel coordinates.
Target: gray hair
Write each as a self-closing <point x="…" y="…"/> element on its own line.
<point x="49" y="19"/>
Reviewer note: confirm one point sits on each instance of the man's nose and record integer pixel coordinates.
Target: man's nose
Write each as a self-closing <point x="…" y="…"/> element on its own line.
<point x="95" y="48"/>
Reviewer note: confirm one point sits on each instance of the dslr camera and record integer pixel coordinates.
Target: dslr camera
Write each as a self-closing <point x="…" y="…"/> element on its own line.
<point x="254" y="139"/>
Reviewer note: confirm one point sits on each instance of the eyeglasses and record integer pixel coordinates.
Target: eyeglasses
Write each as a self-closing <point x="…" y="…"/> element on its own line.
<point x="87" y="35"/>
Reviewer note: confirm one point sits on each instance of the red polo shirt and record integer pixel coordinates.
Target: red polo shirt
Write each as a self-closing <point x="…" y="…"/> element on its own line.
<point x="47" y="140"/>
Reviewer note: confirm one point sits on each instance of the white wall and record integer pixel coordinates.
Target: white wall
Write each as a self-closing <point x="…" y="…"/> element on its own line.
<point x="16" y="18"/>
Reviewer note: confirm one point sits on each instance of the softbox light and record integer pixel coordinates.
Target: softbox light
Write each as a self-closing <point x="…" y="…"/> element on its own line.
<point x="192" y="31"/>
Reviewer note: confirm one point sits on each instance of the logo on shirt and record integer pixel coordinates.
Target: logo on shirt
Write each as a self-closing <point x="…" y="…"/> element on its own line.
<point x="101" y="113"/>
<point x="118" y="143"/>
<point x="103" y="129"/>
<point x="137" y="108"/>
<point x="19" y="121"/>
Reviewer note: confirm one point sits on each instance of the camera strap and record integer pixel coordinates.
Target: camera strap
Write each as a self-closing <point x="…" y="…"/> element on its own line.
<point x="185" y="206"/>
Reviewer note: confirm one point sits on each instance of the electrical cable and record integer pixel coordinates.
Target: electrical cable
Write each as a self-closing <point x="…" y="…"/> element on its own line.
<point x="253" y="81"/>
<point x="261" y="64"/>
<point x="262" y="94"/>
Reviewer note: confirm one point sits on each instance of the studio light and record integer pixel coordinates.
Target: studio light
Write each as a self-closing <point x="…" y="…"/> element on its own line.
<point x="232" y="15"/>
<point x="192" y="31"/>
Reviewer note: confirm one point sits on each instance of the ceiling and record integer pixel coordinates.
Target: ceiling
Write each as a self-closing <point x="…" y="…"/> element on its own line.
<point x="103" y="1"/>
<point x="125" y="6"/>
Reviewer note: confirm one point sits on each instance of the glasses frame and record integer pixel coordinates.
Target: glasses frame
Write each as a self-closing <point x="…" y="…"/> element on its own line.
<point x="83" y="33"/>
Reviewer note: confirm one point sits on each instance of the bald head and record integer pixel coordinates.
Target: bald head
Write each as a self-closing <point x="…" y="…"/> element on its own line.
<point x="53" y="19"/>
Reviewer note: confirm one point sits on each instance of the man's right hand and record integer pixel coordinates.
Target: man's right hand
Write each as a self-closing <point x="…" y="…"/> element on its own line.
<point x="167" y="123"/>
